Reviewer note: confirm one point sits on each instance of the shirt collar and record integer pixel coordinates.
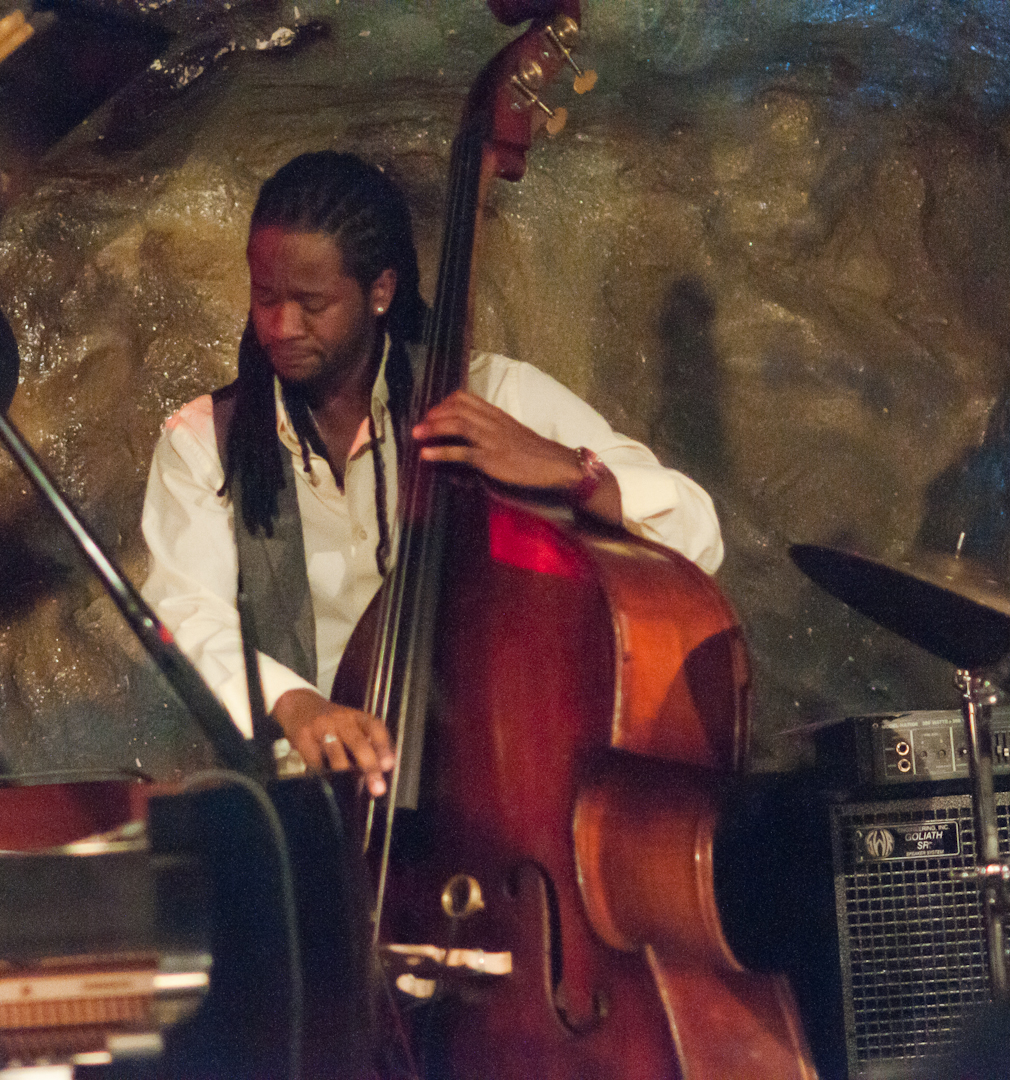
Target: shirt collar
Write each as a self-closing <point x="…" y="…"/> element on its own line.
<point x="380" y="412"/>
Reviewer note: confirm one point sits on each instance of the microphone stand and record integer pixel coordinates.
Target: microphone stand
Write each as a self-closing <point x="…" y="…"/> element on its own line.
<point x="229" y="745"/>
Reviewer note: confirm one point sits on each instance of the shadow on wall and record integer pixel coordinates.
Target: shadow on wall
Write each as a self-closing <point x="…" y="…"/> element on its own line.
<point x="966" y="508"/>
<point x="688" y="423"/>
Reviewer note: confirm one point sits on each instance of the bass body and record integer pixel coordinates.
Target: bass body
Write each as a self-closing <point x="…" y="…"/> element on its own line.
<point x="591" y="694"/>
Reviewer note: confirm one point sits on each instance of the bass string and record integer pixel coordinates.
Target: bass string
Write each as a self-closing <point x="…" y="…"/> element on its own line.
<point x="444" y="366"/>
<point x="436" y="381"/>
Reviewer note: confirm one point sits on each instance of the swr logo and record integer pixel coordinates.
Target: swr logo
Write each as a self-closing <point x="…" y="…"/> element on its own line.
<point x="879" y="843"/>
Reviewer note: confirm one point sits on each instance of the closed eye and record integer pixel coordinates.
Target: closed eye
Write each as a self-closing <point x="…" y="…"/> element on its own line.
<point x="314" y="305"/>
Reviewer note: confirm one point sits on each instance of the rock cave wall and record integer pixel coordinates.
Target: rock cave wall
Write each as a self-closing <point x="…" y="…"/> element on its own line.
<point x="773" y="243"/>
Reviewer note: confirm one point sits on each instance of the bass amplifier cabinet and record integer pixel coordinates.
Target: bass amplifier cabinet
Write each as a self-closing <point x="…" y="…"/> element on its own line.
<point x="911" y="934"/>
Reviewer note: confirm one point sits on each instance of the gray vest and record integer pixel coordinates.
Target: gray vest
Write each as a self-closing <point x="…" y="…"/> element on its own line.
<point x="274" y="602"/>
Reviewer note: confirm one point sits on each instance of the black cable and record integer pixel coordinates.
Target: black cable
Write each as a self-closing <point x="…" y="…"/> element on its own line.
<point x="296" y="998"/>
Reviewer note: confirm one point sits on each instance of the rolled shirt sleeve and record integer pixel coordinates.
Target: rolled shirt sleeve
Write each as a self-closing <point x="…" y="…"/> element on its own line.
<point x="657" y="503"/>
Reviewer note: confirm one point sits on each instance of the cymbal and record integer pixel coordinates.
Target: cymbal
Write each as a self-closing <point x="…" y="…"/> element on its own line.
<point x="957" y="609"/>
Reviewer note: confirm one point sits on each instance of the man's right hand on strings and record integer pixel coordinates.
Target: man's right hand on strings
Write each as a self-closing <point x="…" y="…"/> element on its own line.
<point x="334" y="736"/>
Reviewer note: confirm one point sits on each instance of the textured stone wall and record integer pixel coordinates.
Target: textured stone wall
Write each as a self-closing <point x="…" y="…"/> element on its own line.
<point x="773" y="244"/>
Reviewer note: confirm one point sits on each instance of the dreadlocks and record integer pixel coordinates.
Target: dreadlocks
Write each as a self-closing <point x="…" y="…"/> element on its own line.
<point x="367" y="217"/>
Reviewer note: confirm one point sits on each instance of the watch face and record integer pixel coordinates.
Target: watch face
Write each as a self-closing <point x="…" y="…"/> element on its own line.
<point x="593" y="471"/>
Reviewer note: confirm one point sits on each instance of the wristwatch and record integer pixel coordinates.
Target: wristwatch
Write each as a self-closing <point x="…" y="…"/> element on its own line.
<point x="593" y="471"/>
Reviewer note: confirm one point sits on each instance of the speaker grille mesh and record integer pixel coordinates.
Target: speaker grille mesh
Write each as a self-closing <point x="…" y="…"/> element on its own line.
<point x="911" y="937"/>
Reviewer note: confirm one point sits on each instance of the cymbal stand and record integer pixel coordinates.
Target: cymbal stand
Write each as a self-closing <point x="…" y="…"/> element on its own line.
<point x="991" y="870"/>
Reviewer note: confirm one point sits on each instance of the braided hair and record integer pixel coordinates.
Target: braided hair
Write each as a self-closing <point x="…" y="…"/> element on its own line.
<point x="368" y="218"/>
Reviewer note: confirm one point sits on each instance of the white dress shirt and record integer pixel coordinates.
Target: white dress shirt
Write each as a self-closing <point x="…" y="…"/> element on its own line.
<point x="189" y="529"/>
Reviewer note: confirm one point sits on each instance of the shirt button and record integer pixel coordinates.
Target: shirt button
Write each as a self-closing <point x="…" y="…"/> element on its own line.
<point x="362" y="534"/>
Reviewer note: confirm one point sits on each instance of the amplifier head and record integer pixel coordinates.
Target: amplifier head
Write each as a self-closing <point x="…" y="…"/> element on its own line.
<point x="917" y="747"/>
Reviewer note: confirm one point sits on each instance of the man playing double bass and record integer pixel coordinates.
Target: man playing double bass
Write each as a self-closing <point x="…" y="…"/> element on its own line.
<point x="311" y="434"/>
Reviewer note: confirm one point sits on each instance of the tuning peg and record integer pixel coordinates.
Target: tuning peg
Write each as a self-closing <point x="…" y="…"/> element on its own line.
<point x="527" y="82"/>
<point x="14" y="32"/>
<point x="556" y="119"/>
<point x="565" y="31"/>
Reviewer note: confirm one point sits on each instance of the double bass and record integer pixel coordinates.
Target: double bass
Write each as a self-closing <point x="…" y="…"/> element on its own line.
<point x="566" y="698"/>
